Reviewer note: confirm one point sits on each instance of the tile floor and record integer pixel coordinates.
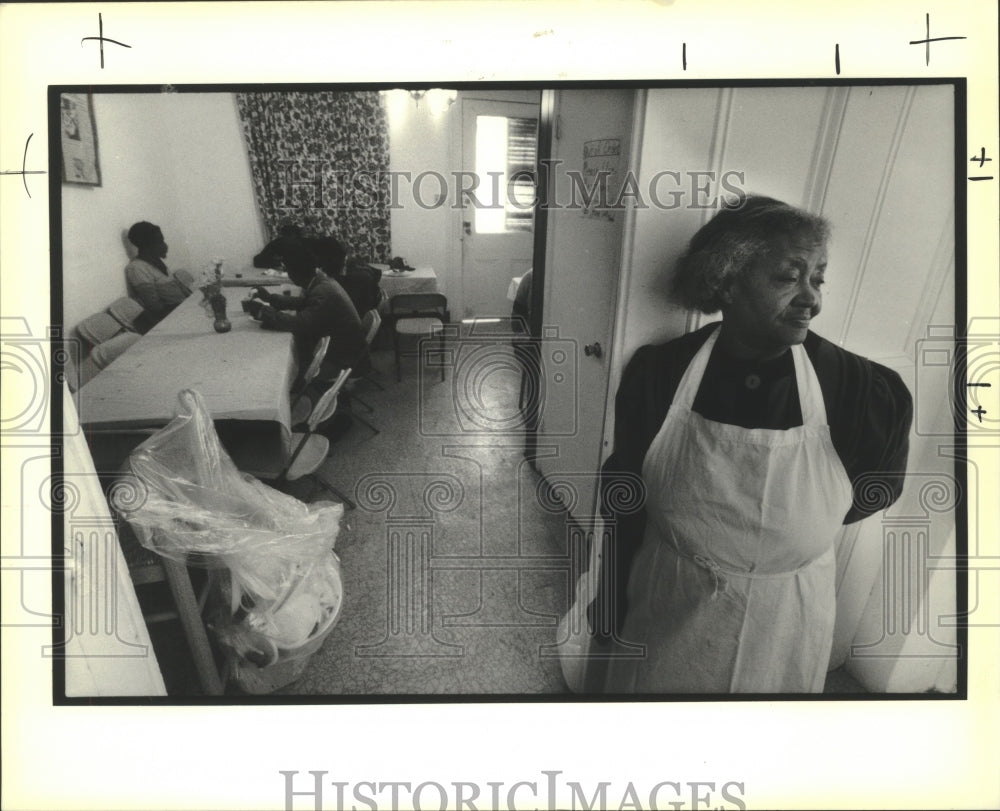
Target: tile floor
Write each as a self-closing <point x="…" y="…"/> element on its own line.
<point x="455" y="563"/>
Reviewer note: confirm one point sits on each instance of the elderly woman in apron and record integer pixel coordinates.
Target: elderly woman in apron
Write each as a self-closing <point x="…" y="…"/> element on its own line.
<point x="749" y="436"/>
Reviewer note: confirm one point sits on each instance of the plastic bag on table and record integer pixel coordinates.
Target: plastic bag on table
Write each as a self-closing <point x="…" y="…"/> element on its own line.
<point x="192" y="504"/>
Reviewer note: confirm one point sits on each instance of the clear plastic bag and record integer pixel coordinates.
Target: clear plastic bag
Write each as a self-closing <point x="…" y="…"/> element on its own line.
<point x="283" y="590"/>
<point x="271" y="644"/>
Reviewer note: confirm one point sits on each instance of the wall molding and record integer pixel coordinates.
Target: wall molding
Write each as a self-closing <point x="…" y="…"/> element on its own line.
<point x="825" y="150"/>
<point x="876" y="215"/>
<point x="616" y="359"/>
<point x="716" y="158"/>
<point x="940" y="270"/>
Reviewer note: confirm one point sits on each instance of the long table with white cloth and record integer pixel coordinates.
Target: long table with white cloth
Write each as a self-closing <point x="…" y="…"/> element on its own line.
<point x="243" y="375"/>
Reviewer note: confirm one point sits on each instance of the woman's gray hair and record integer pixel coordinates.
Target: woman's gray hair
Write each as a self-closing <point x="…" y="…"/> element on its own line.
<point x="729" y="243"/>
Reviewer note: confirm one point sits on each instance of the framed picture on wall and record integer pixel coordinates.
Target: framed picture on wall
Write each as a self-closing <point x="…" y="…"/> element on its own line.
<point x="78" y="137"/>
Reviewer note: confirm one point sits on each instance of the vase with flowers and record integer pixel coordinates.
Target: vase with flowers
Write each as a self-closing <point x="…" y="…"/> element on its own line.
<point x="213" y="295"/>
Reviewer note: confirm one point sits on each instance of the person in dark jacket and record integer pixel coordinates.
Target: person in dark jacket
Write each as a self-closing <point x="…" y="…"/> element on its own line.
<point x="323" y="309"/>
<point x="361" y="283"/>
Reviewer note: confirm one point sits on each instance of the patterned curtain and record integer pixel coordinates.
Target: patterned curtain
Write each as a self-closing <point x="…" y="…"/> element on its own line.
<point x="321" y="161"/>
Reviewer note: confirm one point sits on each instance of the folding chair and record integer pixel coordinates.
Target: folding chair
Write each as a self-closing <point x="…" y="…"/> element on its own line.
<point x="186" y="280"/>
<point x="371" y="321"/>
<point x="105" y="352"/>
<point x="300" y="406"/>
<point x="311" y="449"/>
<point x="98" y="328"/>
<point x="420" y="315"/>
<point x="125" y="311"/>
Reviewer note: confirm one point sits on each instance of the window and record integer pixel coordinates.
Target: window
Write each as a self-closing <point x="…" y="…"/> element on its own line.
<point x="506" y="151"/>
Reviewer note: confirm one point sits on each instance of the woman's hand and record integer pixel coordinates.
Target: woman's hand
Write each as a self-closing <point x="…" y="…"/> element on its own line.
<point x="262" y="294"/>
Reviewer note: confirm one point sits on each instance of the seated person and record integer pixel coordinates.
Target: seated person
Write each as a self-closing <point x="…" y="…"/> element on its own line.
<point x="273" y="254"/>
<point x="520" y="314"/>
<point x="147" y="278"/>
<point x="323" y="309"/>
<point x="360" y="282"/>
<point x="528" y="353"/>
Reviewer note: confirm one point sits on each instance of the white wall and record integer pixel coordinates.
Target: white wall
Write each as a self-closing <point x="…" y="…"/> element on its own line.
<point x="216" y="213"/>
<point x="177" y="160"/>
<point x="427" y="137"/>
<point x="94" y="219"/>
<point x="420" y="141"/>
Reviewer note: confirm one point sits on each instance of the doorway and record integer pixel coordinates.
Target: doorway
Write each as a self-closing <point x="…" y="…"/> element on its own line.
<point x="498" y="161"/>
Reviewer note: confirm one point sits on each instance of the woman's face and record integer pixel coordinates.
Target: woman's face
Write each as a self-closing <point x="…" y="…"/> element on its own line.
<point x="770" y="306"/>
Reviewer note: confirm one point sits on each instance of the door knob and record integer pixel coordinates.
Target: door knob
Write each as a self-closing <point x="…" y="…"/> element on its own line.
<point x="467" y="227"/>
<point x="592" y="350"/>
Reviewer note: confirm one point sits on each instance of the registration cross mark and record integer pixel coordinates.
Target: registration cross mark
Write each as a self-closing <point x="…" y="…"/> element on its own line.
<point x="979" y="411"/>
<point x="25" y="172"/>
<point x="981" y="159"/>
<point x="929" y="39"/>
<point x="102" y="39"/>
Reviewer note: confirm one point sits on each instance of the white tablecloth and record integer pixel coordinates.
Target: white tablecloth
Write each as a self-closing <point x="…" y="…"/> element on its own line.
<point x="419" y="280"/>
<point x="244" y="375"/>
<point x="253" y="277"/>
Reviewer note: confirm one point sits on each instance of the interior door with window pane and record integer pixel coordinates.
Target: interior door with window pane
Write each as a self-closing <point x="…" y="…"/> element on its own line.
<point x="499" y="147"/>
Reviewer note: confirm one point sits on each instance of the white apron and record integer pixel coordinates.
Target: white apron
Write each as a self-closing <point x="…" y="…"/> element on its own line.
<point x="732" y="588"/>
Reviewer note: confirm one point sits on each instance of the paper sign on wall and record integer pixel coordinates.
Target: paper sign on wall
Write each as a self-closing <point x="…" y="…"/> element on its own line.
<point x="79" y="140"/>
<point x="600" y="176"/>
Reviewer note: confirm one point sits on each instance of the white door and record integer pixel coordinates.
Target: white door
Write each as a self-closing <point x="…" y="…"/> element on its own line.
<point x="497" y="219"/>
<point x="583" y="261"/>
